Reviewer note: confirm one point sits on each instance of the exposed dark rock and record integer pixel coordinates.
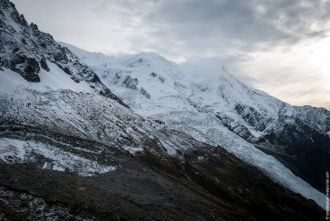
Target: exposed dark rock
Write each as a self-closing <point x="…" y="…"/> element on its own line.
<point x="145" y="93"/>
<point x="130" y="82"/>
<point x="23" y="41"/>
<point x="34" y="26"/>
<point x="153" y="74"/>
<point x="18" y="18"/>
<point x="43" y="64"/>
<point x="75" y="79"/>
<point x="251" y="116"/>
<point x="60" y="56"/>
<point x="2" y="24"/>
<point x="27" y="67"/>
<point x="237" y="128"/>
<point x="159" y="122"/>
<point x="65" y="69"/>
<point x="117" y="76"/>
<point x="161" y="79"/>
<point x="94" y="77"/>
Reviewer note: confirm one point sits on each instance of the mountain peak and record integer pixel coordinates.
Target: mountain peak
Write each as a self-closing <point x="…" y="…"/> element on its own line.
<point x="151" y="56"/>
<point x="213" y="106"/>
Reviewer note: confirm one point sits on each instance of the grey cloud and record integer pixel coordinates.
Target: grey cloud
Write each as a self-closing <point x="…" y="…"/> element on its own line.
<point x="224" y="24"/>
<point x="186" y="27"/>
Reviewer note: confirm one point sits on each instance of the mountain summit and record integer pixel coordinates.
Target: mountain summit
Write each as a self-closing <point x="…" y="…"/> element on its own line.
<point x="218" y="109"/>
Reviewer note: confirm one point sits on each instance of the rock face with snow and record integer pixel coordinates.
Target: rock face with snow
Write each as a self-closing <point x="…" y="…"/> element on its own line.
<point x="220" y="110"/>
<point x="26" y="50"/>
<point x="70" y="149"/>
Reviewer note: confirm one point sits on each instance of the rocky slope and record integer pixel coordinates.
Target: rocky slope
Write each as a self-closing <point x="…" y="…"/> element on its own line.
<point x="70" y="150"/>
<point x="218" y="109"/>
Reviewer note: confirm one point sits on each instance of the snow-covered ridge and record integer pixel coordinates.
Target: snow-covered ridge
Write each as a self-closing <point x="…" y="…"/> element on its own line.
<point x="162" y="83"/>
<point x="216" y="109"/>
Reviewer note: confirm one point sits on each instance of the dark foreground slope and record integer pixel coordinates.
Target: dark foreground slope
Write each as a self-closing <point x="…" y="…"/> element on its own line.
<point x="218" y="187"/>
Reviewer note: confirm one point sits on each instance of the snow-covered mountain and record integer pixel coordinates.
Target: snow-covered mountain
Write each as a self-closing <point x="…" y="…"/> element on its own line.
<point x="218" y="109"/>
<point x="72" y="150"/>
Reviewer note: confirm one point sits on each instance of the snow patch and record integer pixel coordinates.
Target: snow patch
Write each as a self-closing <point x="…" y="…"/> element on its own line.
<point x="132" y="150"/>
<point x="17" y="151"/>
<point x="55" y="79"/>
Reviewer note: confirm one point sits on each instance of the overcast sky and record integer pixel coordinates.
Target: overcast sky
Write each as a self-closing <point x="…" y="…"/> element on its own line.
<point x="279" y="46"/>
